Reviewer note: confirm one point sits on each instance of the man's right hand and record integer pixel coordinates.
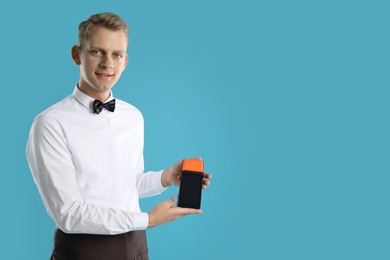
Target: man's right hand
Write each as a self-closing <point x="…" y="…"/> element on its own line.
<point x="166" y="211"/>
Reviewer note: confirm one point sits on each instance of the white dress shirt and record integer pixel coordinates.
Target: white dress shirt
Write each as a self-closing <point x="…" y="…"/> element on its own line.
<point x="89" y="168"/>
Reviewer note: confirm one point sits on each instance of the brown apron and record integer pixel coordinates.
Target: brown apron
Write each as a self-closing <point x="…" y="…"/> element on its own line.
<point x="131" y="245"/>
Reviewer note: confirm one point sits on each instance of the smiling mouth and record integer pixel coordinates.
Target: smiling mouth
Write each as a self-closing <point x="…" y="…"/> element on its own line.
<point x="104" y="75"/>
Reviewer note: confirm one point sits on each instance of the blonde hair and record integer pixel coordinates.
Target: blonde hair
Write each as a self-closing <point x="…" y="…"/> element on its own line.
<point x="107" y="20"/>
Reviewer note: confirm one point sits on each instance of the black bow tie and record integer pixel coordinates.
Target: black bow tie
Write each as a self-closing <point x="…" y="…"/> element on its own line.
<point x="98" y="106"/>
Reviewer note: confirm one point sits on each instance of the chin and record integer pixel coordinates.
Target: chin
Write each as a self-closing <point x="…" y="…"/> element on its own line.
<point x="104" y="88"/>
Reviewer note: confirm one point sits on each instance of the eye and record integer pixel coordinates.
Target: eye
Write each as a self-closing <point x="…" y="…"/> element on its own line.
<point x="96" y="52"/>
<point x="118" y="56"/>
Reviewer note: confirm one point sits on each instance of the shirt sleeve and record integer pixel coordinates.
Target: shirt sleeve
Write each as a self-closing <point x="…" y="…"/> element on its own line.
<point x="149" y="184"/>
<point x="53" y="171"/>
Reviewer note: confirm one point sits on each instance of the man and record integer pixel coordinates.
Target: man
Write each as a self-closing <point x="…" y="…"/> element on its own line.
<point x="86" y="157"/>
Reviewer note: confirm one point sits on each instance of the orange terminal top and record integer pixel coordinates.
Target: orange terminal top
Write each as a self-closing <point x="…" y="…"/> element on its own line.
<point x="192" y="165"/>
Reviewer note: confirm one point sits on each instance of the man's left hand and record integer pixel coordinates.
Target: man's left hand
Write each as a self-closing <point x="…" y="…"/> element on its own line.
<point x="171" y="176"/>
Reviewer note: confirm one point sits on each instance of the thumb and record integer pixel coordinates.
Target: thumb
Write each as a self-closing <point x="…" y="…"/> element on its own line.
<point x="172" y="200"/>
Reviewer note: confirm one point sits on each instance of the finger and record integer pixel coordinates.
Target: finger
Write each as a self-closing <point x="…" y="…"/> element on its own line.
<point x="177" y="182"/>
<point x="207" y="175"/>
<point x="187" y="211"/>
<point x="205" y="184"/>
<point x="178" y="164"/>
<point x="171" y="201"/>
<point x="195" y="211"/>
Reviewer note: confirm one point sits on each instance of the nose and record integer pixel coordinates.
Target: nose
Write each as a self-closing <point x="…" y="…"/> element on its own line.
<point x="107" y="62"/>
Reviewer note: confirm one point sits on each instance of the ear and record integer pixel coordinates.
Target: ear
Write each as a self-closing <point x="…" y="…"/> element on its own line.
<point x="76" y="54"/>
<point x="126" y="60"/>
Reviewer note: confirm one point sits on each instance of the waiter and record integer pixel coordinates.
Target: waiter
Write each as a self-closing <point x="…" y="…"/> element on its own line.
<point x="86" y="157"/>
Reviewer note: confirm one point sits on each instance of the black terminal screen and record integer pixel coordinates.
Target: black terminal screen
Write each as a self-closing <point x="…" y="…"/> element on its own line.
<point x="190" y="189"/>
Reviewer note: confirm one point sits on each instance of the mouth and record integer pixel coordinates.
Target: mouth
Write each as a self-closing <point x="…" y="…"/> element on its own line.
<point x="104" y="75"/>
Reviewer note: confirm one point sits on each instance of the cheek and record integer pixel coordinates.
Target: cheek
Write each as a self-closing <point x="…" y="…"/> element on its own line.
<point x="91" y="63"/>
<point x="86" y="70"/>
<point x="120" y="67"/>
<point x="118" y="75"/>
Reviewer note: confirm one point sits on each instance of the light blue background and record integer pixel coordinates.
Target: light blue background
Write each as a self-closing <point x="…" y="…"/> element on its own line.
<point x="286" y="101"/>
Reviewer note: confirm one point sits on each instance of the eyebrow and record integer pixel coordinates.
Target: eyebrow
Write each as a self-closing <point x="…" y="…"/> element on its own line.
<point x="102" y="49"/>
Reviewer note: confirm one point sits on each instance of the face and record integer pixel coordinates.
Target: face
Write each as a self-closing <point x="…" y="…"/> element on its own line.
<point x="102" y="60"/>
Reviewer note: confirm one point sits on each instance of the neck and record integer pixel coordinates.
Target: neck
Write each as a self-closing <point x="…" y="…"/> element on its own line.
<point x="102" y="96"/>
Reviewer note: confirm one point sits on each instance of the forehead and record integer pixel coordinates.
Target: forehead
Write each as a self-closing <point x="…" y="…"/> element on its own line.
<point x="100" y="37"/>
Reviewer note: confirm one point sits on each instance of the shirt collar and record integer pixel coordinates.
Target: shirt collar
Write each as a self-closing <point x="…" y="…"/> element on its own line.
<point x="86" y="100"/>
